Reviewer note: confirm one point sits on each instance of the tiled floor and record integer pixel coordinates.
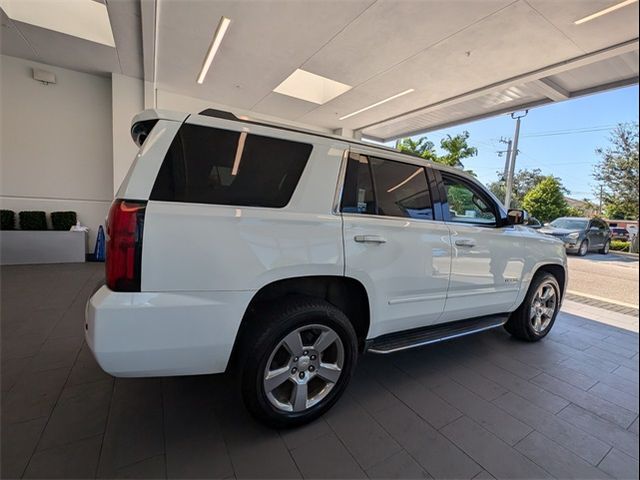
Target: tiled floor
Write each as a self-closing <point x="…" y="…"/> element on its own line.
<point x="477" y="407"/>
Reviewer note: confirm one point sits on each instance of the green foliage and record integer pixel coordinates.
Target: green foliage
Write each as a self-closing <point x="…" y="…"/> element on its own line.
<point x="620" y="246"/>
<point x="523" y="181"/>
<point x="619" y="172"/>
<point x="574" y="212"/>
<point x="546" y="200"/>
<point x="63" y="220"/>
<point x="35" y="220"/>
<point x="7" y="220"/>
<point x="456" y="148"/>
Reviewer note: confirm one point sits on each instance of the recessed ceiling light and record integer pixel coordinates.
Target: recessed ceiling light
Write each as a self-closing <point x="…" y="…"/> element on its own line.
<point x="86" y="19"/>
<point x="223" y="25"/>
<point x="311" y="87"/>
<point x="393" y="97"/>
<point x="610" y="9"/>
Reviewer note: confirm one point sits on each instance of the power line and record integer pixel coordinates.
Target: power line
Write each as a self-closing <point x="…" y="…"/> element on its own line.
<point x="574" y="131"/>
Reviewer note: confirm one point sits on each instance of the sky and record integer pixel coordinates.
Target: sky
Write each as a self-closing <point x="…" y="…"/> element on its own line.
<point x="558" y="138"/>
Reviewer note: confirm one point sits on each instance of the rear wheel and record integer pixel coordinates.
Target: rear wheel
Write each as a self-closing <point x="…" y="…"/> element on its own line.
<point x="605" y="249"/>
<point x="299" y="362"/>
<point x="584" y="248"/>
<point x="533" y="320"/>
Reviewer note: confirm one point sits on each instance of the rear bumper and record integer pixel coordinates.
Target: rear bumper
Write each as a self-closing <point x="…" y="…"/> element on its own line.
<point x="146" y="334"/>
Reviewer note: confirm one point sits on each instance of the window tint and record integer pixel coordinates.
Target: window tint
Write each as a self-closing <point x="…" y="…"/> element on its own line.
<point x="401" y="189"/>
<point x="357" y="194"/>
<point x="210" y="165"/>
<point x="466" y="205"/>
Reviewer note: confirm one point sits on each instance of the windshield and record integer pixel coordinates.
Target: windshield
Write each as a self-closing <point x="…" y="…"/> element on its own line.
<point x="570" y="223"/>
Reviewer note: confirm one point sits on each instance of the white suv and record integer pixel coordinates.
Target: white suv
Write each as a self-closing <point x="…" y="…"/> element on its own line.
<point x="285" y="254"/>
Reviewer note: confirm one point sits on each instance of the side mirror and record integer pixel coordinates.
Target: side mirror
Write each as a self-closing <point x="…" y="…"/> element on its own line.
<point x="517" y="217"/>
<point x="594" y="229"/>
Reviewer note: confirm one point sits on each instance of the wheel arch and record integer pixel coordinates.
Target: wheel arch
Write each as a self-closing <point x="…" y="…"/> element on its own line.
<point x="558" y="271"/>
<point x="345" y="293"/>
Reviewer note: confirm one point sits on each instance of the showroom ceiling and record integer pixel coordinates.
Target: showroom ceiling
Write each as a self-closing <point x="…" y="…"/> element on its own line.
<point x="441" y="62"/>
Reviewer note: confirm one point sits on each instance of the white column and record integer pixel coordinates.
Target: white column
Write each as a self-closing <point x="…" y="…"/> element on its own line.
<point x="127" y="100"/>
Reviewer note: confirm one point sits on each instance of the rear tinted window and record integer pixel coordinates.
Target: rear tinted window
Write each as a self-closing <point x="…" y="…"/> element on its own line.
<point x="400" y="189"/>
<point x="210" y="165"/>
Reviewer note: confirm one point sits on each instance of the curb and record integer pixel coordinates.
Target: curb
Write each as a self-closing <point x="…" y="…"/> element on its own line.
<point x="624" y="254"/>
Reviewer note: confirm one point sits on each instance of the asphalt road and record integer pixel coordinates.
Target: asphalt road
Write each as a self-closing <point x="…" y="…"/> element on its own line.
<point x="612" y="277"/>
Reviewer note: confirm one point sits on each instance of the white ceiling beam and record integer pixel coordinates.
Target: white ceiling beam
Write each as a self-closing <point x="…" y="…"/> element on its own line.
<point x="550" y="89"/>
<point x="584" y="60"/>
<point x="148" y="20"/>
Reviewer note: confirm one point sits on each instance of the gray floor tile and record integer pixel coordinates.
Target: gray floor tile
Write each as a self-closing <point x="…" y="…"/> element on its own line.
<point x="326" y="457"/>
<point x="294" y="437"/>
<point x="75" y="460"/>
<point x="17" y="443"/>
<point x="420" y="398"/>
<point x="603" y="408"/>
<point x="562" y="432"/>
<point x="33" y="396"/>
<point x="153" y="467"/>
<point x="613" y="395"/>
<point x="367" y="441"/>
<point x="495" y="456"/>
<point x="134" y="428"/>
<point x="535" y="394"/>
<point x="485" y="413"/>
<point x="558" y="461"/>
<point x="400" y="466"/>
<point x="434" y="452"/>
<point x="619" y="465"/>
<point x="573" y="377"/>
<point x="634" y="427"/>
<point x="79" y="414"/>
<point x="627" y="373"/>
<point x="605" y="431"/>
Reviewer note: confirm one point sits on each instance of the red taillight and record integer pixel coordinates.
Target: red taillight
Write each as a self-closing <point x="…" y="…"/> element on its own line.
<point x="124" y="245"/>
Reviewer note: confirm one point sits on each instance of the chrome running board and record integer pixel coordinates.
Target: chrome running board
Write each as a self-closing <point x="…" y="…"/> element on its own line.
<point x="395" y="342"/>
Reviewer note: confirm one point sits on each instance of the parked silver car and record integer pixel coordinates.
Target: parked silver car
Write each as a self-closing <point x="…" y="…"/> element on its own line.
<point x="580" y="235"/>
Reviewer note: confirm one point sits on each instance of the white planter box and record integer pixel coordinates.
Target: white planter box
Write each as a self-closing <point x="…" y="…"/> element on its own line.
<point x="30" y="246"/>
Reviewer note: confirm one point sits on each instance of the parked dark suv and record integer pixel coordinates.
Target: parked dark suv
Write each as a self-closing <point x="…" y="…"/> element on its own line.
<point x="580" y="235"/>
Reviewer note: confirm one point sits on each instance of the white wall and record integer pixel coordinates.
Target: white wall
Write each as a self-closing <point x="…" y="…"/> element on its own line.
<point x="127" y="101"/>
<point x="56" y="148"/>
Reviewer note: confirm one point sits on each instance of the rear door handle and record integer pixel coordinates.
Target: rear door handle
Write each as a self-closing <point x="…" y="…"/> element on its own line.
<point x="370" y="239"/>
<point x="465" y="242"/>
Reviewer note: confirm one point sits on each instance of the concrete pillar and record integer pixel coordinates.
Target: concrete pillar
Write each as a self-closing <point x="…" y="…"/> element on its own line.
<point x="127" y="100"/>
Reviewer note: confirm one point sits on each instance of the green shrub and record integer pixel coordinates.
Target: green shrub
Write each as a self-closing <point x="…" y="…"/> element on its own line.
<point x="63" y="220"/>
<point x="35" y="220"/>
<point x="7" y="220"/>
<point x="619" y="245"/>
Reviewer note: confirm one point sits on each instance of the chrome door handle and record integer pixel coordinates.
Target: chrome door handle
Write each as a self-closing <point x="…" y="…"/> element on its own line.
<point x="465" y="242"/>
<point x="369" y="239"/>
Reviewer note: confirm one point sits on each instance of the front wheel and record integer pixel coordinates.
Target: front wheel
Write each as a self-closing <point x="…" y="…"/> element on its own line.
<point x="584" y="248"/>
<point x="300" y="360"/>
<point x="533" y="320"/>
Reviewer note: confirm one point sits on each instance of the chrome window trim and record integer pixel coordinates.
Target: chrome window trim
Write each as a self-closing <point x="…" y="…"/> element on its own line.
<point x="337" y="197"/>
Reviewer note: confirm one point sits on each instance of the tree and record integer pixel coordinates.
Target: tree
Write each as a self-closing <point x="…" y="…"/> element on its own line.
<point x="523" y="181"/>
<point x="456" y="148"/>
<point x="618" y="172"/>
<point x="546" y="200"/>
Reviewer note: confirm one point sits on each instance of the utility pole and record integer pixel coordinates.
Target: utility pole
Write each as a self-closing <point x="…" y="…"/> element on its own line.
<point x="508" y="157"/>
<point x="512" y="163"/>
<point x="600" y="201"/>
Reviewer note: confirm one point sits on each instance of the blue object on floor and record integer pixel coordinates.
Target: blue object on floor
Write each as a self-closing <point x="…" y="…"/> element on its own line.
<point x="98" y="252"/>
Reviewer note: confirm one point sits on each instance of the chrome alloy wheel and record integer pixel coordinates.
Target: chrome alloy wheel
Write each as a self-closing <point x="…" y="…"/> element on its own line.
<point x="543" y="306"/>
<point x="583" y="248"/>
<point x="303" y="368"/>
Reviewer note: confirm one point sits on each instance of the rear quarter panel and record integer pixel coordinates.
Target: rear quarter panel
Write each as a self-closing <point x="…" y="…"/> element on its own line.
<point x="202" y="247"/>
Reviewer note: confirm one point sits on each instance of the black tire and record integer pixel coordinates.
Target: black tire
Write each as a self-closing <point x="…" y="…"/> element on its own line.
<point x="265" y="333"/>
<point x="583" y="249"/>
<point x="605" y="249"/>
<point x="519" y="324"/>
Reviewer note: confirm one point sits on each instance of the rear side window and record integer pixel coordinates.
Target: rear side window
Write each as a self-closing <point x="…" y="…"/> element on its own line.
<point x="385" y="187"/>
<point x="210" y="165"/>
